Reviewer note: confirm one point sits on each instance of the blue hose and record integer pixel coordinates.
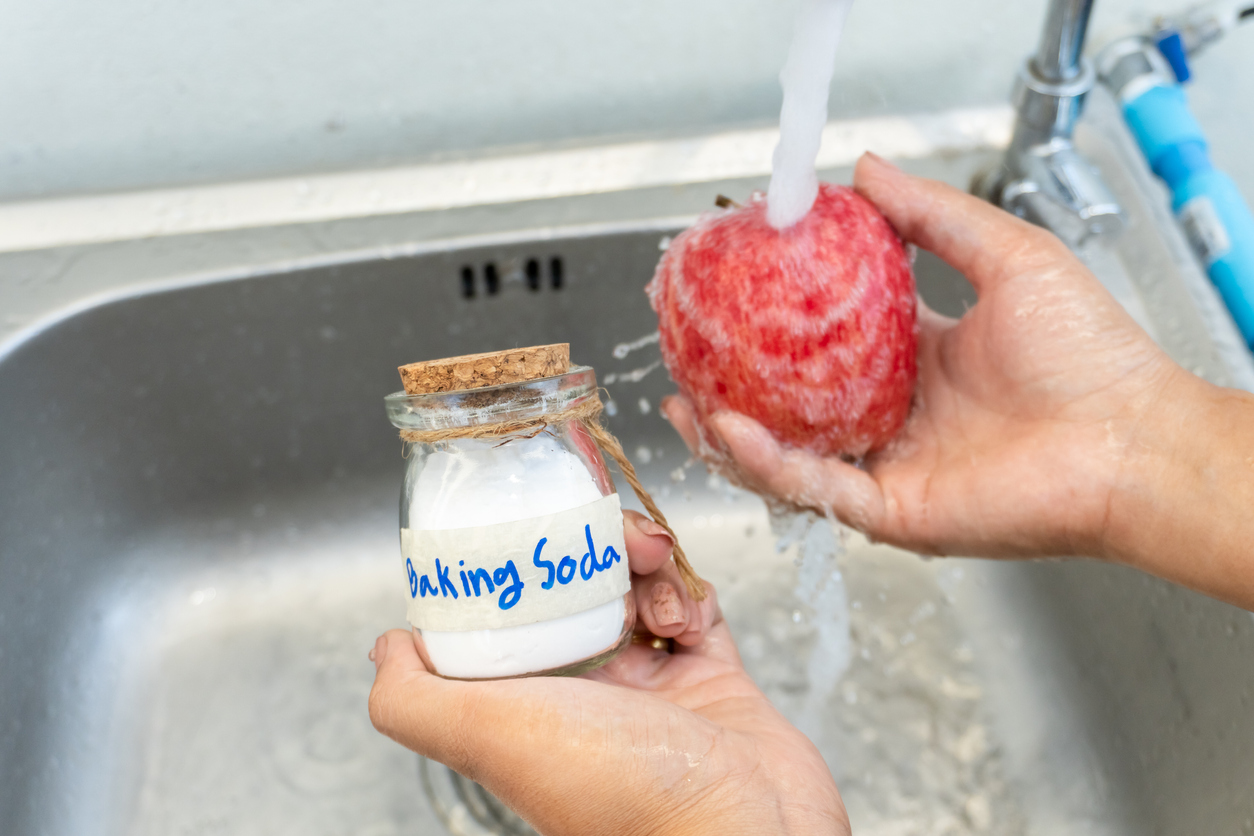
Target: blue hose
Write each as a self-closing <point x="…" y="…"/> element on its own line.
<point x="1215" y="216"/>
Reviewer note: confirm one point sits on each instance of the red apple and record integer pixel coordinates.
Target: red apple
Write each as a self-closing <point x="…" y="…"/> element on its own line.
<point x="809" y="330"/>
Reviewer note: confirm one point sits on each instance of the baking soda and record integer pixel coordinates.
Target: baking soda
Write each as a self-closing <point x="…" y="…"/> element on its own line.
<point x="470" y="483"/>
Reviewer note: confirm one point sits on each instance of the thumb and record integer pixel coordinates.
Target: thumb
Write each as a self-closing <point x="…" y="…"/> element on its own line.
<point x="416" y="708"/>
<point x="984" y="243"/>
<point x="481" y="729"/>
<point x="576" y="733"/>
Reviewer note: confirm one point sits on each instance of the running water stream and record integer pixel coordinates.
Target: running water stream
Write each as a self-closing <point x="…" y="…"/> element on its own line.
<point x="821" y="589"/>
<point x="806" y="79"/>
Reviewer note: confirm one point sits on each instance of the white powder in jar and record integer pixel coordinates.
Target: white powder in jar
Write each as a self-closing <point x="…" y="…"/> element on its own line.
<point x="474" y="483"/>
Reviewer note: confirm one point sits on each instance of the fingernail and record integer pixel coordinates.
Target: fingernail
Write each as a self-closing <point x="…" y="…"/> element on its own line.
<point x="379" y="652"/>
<point x="667" y="608"/>
<point x="876" y="158"/>
<point x="882" y="164"/>
<point x="729" y="428"/>
<point x="667" y="406"/>
<point x="653" y="529"/>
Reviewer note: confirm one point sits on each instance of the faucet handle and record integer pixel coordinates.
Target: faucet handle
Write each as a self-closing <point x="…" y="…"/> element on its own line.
<point x="1043" y="178"/>
<point x="1061" y="191"/>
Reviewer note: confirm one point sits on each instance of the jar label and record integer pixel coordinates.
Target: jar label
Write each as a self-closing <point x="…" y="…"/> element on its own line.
<point x="515" y="573"/>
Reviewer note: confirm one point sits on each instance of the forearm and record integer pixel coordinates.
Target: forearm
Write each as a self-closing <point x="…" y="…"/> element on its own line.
<point x="1184" y="510"/>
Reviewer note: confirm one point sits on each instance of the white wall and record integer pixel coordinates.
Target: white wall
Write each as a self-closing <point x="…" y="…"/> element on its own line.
<point x="100" y="96"/>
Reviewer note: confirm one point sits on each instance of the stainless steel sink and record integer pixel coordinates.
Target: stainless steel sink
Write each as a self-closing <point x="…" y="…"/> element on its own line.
<point x="198" y="546"/>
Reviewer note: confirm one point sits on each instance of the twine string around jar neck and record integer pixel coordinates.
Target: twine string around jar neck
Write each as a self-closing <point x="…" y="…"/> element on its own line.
<point x="587" y="412"/>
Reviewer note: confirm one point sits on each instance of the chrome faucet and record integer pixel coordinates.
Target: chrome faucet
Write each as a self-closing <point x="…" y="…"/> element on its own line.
<point x="1043" y="178"/>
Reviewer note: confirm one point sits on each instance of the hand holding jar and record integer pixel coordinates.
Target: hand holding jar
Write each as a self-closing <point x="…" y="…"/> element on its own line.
<point x="658" y="740"/>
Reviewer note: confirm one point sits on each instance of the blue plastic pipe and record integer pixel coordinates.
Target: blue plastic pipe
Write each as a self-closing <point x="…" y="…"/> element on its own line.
<point x="1207" y="202"/>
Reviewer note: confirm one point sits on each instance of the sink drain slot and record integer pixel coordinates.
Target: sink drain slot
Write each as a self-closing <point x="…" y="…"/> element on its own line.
<point x="490" y="276"/>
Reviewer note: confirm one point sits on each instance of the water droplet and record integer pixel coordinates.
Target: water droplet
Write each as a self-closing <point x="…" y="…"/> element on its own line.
<point x="202" y="596"/>
<point x="645" y="406"/>
<point x="633" y="376"/>
<point x="623" y="349"/>
<point x="923" y="612"/>
<point x="644" y="455"/>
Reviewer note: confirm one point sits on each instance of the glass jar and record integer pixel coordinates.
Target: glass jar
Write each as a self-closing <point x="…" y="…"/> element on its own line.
<point x="513" y="544"/>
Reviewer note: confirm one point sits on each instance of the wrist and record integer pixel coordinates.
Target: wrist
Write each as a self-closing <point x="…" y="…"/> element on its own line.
<point x="1154" y="465"/>
<point x="777" y="799"/>
<point x="1180" y="509"/>
<point x="767" y="815"/>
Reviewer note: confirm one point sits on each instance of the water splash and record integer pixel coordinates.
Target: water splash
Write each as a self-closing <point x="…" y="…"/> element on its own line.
<point x="680" y="473"/>
<point x="633" y="376"/>
<point x="806" y="78"/>
<point x="821" y="589"/>
<point x="623" y="349"/>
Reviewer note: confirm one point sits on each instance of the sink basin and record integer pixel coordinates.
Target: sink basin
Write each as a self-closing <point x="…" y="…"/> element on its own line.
<point x="198" y="545"/>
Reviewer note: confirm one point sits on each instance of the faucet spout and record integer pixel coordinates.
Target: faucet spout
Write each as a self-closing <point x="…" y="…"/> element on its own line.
<point x="1043" y="178"/>
<point x="1062" y="42"/>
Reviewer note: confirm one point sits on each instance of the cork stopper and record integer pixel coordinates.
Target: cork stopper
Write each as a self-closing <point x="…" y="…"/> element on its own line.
<point x="474" y="371"/>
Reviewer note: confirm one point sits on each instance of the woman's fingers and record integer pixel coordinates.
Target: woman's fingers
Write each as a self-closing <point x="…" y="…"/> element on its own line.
<point x="670" y="612"/>
<point x="648" y="669"/>
<point x="662" y="601"/>
<point x="981" y="241"/>
<point x="556" y="749"/>
<point x="683" y="417"/>
<point x="660" y="606"/>
<point x="481" y="729"/>
<point x="414" y="707"/>
<point x="828" y="485"/>
<point x="702" y="615"/>
<point x="649" y="546"/>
